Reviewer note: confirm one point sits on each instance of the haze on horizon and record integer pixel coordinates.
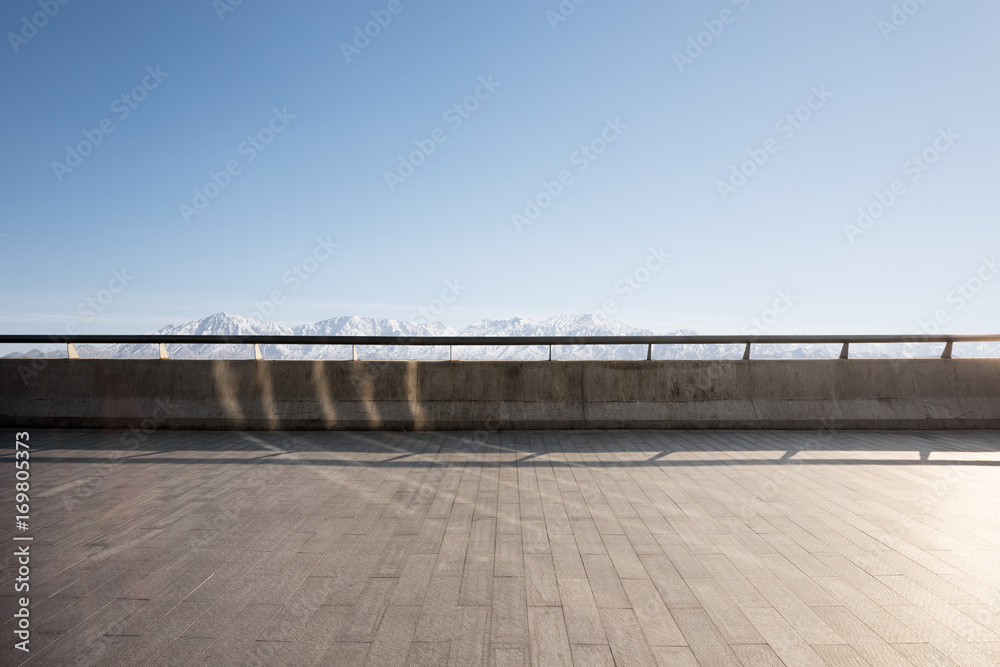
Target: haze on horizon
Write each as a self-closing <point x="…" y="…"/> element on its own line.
<point x="669" y="167"/>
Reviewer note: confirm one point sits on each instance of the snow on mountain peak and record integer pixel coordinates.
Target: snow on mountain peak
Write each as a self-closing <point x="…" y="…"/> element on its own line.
<point x="226" y="324"/>
<point x="558" y="325"/>
<point x="366" y="326"/>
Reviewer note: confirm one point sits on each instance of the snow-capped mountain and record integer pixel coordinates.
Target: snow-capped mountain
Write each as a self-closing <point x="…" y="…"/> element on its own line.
<point x="220" y="324"/>
<point x="225" y="324"/>
<point x="362" y="326"/>
<point x="560" y="325"/>
<point x="367" y="326"/>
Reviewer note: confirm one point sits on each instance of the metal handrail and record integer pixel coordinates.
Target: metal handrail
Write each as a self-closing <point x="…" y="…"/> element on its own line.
<point x="257" y="340"/>
<point x="189" y="339"/>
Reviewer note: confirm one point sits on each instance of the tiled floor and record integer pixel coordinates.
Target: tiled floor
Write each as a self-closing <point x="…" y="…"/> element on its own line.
<point x="543" y="548"/>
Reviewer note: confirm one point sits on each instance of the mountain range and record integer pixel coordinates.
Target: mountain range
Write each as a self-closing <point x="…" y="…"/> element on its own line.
<point x="560" y="325"/>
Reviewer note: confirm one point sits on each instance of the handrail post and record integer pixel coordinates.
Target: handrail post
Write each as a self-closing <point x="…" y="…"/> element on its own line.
<point x="256" y="352"/>
<point x="550" y="352"/>
<point x="163" y="352"/>
<point x="451" y="353"/>
<point x="649" y="352"/>
<point x="354" y="352"/>
<point x="843" y="351"/>
<point x="71" y="351"/>
<point x="746" y="353"/>
<point x="947" y="351"/>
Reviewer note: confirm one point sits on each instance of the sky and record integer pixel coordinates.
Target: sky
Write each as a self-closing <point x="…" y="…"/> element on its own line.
<point x="790" y="167"/>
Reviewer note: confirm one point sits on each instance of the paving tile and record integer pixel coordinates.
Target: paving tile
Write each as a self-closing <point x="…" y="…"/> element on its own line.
<point x="315" y="640"/>
<point x="873" y="615"/>
<point x="801" y="617"/>
<point x="393" y="557"/>
<point x="657" y="624"/>
<point x="428" y="540"/>
<point x="942" y="638"/>
<point x="945" y="613"/>
<point x="679" y="656"/>
<point x="438" y="613"/>
<point x="160" y="635"/>
<point x="605" y="520"/>
<point x="624" y="557"/>
<point x="338" y="556"/>
<point x="924" y="654"/>
<point x="87" y="642"/>
<point x="625" y="637"/>
<point x="428" y="654"/>
<point x="477" y="581"/>
<point x="470" y="641"/>
<point x="604" y="582"/>
<point x="366" y="614"/>
<point x="391" y="644"/>
<point x="673" y="589"/>
<point x="588" y="537"/>
<point x="548" y="637"/>
<point x="762" y="655"/>
<point x="353" y="577"/>
<point x="238" y="637"/>
<point x="566" y="557"/>
<point x="451" y="558"/>
<point x="540" y="580"/>
<point x="184" y="651"/>
<point x="595" y="655"/>
<point x="346" y="654"/>
<point x="509" y="560"/>
<point x="482" y="539"/>
<point x="414" y="579"/>
<point x="782" y="638"/>
<point x="704" y="638"/>
<point x="510" y="606"/>
<point x="583" y="621"/>
<point x="509" y="656"/>
<point x="728" y="617"/>
<point x="860" y="637"/>
<point x="534" y="536"/>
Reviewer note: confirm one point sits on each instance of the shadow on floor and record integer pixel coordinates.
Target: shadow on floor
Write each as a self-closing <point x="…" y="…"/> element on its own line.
<point x="556" y="448"/>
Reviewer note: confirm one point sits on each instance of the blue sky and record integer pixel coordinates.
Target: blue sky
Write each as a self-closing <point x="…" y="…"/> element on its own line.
<point x="650" y="225"/>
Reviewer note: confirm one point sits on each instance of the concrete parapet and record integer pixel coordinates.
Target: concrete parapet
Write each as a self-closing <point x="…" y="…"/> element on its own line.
<point x="470" y="395"/>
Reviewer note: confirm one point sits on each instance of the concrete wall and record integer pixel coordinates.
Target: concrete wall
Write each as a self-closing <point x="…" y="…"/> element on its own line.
<point x="795" y="394"/>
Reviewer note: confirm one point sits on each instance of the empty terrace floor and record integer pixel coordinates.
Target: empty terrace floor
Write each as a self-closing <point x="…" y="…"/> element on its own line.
<point x="515" y="548"/>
